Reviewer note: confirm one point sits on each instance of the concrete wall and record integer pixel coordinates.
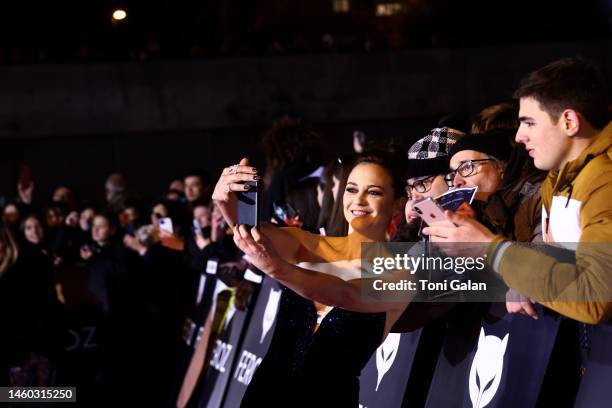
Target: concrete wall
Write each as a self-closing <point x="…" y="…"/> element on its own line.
<point x="46" y="100"/>
<point x="152" y="119"/>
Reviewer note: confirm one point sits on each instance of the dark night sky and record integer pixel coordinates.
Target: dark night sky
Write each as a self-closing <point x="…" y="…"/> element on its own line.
<point x="170" y="29"/>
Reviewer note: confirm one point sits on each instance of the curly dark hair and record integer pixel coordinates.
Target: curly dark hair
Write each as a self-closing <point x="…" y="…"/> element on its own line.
<point x="290" y="139"/>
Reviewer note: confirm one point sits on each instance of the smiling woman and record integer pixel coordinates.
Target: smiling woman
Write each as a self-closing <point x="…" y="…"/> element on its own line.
<point x="369" y="188"/>
<point x="325" y="270"/>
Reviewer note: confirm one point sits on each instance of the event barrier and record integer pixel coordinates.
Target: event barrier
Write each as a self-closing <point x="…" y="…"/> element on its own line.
<point x="493" y="359"/>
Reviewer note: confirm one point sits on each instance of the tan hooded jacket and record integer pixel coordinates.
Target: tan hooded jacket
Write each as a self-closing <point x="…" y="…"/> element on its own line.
<point x="577" y="215"/>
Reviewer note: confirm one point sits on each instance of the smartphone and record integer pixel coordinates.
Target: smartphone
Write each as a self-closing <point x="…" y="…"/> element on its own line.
<point x="431" y="212"/>
<point x="165" y="224"/>
<point x="248" y="205"/>
<point x="196" y="227"/>
<point x="284" y="213"/>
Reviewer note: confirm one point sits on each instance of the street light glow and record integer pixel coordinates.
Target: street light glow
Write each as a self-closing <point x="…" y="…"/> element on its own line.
<point x="119" y="15"/>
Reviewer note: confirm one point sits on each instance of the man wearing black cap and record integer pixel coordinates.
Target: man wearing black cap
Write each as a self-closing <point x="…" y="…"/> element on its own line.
<point x="427" y="169"/>
<point x="505" y="202"/>
<point x="479" y="160"/>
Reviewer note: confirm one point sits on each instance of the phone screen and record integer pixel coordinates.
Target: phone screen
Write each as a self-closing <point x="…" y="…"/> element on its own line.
<point x="283" y="213"/>
<point x="248" y="205"/>
<point x="431" y="212"/>
<point x="165" y="224"/>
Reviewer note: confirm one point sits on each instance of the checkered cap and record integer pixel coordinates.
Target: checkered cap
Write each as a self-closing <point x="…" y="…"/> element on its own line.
<point x="436" y="144"/>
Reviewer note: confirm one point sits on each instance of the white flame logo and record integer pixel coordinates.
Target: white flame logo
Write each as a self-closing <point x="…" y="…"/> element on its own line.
<point x="385" y="355"/>
<point x="270" y="313"/>
<point x="487" y="368"/>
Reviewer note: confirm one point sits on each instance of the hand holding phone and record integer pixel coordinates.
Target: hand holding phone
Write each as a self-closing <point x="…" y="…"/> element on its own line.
<point x="197" y="230"/>
<point x="165" y="224"/>
<point x="248" y="213"/>
<point x="431" y="212"/>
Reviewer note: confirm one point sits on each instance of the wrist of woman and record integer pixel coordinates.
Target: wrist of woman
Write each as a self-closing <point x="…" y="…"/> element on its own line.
<point x="280" y="270"/>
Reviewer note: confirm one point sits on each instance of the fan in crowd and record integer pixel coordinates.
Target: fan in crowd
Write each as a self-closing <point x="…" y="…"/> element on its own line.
<point x="93" y="293"/>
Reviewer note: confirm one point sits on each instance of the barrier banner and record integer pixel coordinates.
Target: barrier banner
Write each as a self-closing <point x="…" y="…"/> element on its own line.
<point x="495" y="360"/>
<point x="85" y="345"/>
<point x="384" y="379"/>
<point x="594" y="391"/>
<point x="211" y="391"/>
<point x="193" y="326"/>
<point x="85" y="350"/>
<point x="256" y="342"/>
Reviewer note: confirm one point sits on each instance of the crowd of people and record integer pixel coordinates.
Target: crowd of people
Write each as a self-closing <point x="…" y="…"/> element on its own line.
<point x="95" y="295"/>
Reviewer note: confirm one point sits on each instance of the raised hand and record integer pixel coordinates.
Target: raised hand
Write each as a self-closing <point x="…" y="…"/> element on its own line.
<point x="233" y="179"/>
<point x="171" y="241"/>
<point x="466" y="210"/>
<point x="455" y="240"/>
<point x="259" y="249"/>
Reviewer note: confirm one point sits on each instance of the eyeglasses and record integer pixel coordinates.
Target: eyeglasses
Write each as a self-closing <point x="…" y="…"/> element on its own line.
<point x="158" y="215"/>
<point x="465" y="169"/>
<point x="421" y="186"/>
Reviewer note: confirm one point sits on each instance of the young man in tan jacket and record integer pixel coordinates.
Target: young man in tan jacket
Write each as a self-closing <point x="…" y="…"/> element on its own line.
<point x="564" y="128"/>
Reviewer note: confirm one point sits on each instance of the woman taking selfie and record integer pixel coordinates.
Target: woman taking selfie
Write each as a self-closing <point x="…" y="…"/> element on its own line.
<point x="320" y="361"/>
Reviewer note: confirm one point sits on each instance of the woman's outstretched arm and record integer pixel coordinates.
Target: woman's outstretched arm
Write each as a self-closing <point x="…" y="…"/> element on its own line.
<point x="355" y="295"/>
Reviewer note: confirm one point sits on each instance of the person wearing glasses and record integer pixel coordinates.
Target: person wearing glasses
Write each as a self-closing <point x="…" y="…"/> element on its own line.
<point x="479" y="160"/>
<point x="427" y="167"/>
<point x="427" y="170"/>
<point x="508" y="205"/>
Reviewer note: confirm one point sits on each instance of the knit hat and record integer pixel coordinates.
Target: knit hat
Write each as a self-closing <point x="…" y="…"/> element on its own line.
<point x="494" y="143"/>
<point x="429" y="155"/>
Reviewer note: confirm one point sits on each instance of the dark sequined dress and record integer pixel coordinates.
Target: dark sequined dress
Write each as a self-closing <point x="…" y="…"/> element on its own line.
<point x="315" y="369"/>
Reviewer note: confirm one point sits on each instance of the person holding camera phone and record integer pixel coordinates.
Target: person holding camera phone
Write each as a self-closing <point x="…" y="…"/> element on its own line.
<point x="327" y="357"/>
<point x="508" y="204"/>
<point x="427" y="170"/>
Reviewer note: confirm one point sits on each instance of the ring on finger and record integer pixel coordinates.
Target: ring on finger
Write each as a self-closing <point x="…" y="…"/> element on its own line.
<point x="228" y="188"/>
<point x="234" y="169"/>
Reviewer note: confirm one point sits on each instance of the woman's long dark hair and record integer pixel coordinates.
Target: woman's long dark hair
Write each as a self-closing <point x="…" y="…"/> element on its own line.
<point x="11" y="250"/>
<point x="337" y="169"/>
<point x="303" y="198"/>
<point x="22" y="226"/>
